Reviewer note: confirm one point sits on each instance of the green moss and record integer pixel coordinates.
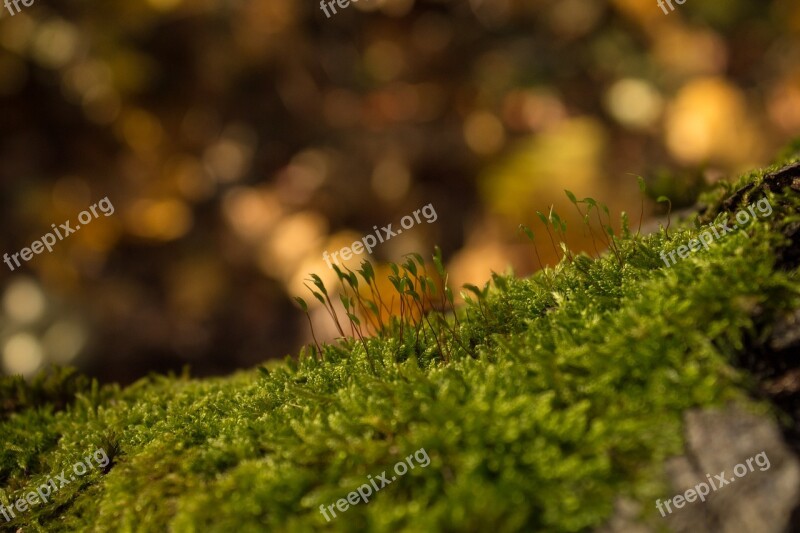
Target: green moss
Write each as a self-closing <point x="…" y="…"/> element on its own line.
<point x="550" y="396"/>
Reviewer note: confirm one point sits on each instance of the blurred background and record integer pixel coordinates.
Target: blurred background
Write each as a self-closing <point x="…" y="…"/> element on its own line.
<point x="239" y="139"/>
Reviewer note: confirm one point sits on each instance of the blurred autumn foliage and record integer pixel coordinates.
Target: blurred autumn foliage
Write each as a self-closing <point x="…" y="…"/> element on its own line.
<point x="239" y="139"/>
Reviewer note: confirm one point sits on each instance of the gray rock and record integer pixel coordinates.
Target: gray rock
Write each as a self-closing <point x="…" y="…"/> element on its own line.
<point x="626" y="518"/>
<point x="717" y="440"/>
<point x="760" y="500"/>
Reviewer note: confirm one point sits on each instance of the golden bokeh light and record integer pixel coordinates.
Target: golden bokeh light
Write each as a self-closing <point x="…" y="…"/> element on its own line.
<point x="298" y="181"/>
<point x="540" y="167"/>
<point x="23" y="301"/>
<point x="84" y="77"/>
<point x="484" y="133"/>
<point x="689" y="51"/>
<point x="294" y="237"/>
<point x="18" y="36"/>
<point x="22" y="354"/>
<point x="163" y="220"/>
<point x="229" y="158"/>
<point x="190" y="177"/>
<point x="63" y="341"/>
<point x="574" y="18"/>
<point x="784" y="104"/>
<point x="532" y="109"/>
<point x="709" y="121"/>
<point x="56" y="43"/>
<point x="634" y="103"/>
<point x="251" y="212"/>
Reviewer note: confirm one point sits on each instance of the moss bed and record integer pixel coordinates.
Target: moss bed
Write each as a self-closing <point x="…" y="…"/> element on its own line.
<point x="539" y="404"/>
